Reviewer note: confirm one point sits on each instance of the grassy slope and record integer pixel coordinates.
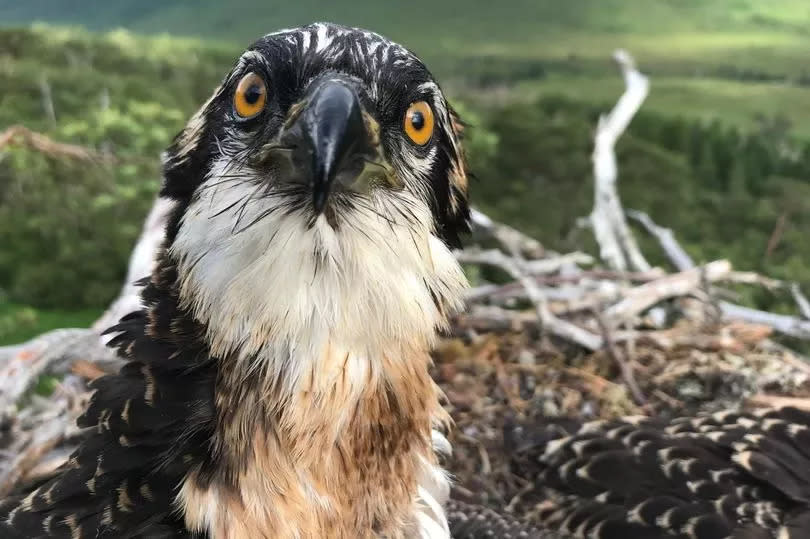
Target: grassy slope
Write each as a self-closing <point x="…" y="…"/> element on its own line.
<point x="472" y="20"/>
<point x="731" y="102"/>
<point x="694" y="48"/>
<point x="754" y="33"/>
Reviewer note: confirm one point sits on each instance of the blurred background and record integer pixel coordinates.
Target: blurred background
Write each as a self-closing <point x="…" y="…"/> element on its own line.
<point x="720" y="151"/>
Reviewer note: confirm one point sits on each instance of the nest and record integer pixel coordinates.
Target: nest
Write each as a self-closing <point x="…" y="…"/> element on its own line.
<point x="495" y="382"/>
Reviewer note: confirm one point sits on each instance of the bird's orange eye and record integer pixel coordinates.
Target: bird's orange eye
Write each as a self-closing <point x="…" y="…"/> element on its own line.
<point x="419" y="122"/>
<point x="250" y="96"/>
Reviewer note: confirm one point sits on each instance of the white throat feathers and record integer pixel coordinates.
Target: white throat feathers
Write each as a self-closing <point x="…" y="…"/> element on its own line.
<point x="323" y="311"/>
<point x="278" y="293"/>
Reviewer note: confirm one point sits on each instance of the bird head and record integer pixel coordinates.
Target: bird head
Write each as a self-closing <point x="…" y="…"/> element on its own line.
<point x="321" y="187"/>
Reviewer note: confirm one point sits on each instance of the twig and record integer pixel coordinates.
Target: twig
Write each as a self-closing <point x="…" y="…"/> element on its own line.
<point x="531" y="267"/>
<point x="624" y="366"/>
<point x="776" y="235"/>
<point x="779" y="401"/>
<point x="514" y="241"/>
<point x="591" y="288"/>
<point x="490" y="318"/>
<point x="679" y="258"/>
<point x="47" y="99"/>
<point x="548" y="321"/>
<point x="20" y="135"/>
<point x="787" y="325"/>
<point x="525" y="489"/>
<point x="750" y="277"/>
<point x="801" y="300"/>
<point x="556" y="263"/>
<point x="671" y="401"/>
<point x="486" y="467"/>
<point x="645" y="296"/>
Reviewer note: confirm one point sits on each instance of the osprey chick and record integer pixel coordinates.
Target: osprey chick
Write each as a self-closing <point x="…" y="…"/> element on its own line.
<point x="277" y="380"/>
<point x="724" y="475"/>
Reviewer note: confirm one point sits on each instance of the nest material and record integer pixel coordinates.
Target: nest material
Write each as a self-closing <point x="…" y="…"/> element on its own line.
<point x="495" y="382"/>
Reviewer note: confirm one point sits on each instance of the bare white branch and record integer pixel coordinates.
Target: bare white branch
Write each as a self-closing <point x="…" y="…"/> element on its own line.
<point x="512" y="240"/>
<point x="787" y="325"/>
<point x="679" y="258"/>
<point x="617" y="246"/>
<point x="141" y="262"/>
<point x="801" y="300"/>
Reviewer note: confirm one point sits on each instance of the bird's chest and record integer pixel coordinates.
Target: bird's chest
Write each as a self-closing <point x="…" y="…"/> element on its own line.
<point x="275" y="499"/>
<point x="340" y="463"/>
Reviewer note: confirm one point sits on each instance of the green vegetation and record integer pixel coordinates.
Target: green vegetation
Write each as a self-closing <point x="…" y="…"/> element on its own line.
<point x="750" y="106"/>
<point x="720" y="152"/>
<point x="19" y="323"/>
<point x="722" y="38"/>
<point x="448" y="22"/>
<point x="68" y="225"/>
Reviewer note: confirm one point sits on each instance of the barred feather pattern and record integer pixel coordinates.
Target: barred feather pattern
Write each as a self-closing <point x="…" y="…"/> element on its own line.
<point x="144" y="429"/>
<point x="714" y="476"/>
<point x="470" y="521"/>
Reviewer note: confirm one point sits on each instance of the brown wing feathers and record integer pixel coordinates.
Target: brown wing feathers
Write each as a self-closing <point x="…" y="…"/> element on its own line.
<point x="469" y="521"/>
<point x="121" y="481"/>
<point x="709" y="477"/>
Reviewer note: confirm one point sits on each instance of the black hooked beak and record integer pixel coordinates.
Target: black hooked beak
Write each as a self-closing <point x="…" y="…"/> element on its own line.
<point x="332" y="136"/>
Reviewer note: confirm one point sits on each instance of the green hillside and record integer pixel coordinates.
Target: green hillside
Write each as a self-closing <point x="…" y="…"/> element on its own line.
<point x="673" y="36"/>
<point x="476" y="20"/>
<point x="698" y="51"/>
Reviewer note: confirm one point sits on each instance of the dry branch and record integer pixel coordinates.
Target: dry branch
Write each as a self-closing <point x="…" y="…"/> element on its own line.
<point x="801" y="300"/>
<point x="679" y="258"/>
<point x="617" y="247"/>
<point x="679" y="284"/>
<point x="511" y="239"/>
<point x="548" y="321"/>
<point x="625" y="367"/>
<point x="51" y="352"/>
<point x="18" y="135"/>
<point x="787" y="325"/>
